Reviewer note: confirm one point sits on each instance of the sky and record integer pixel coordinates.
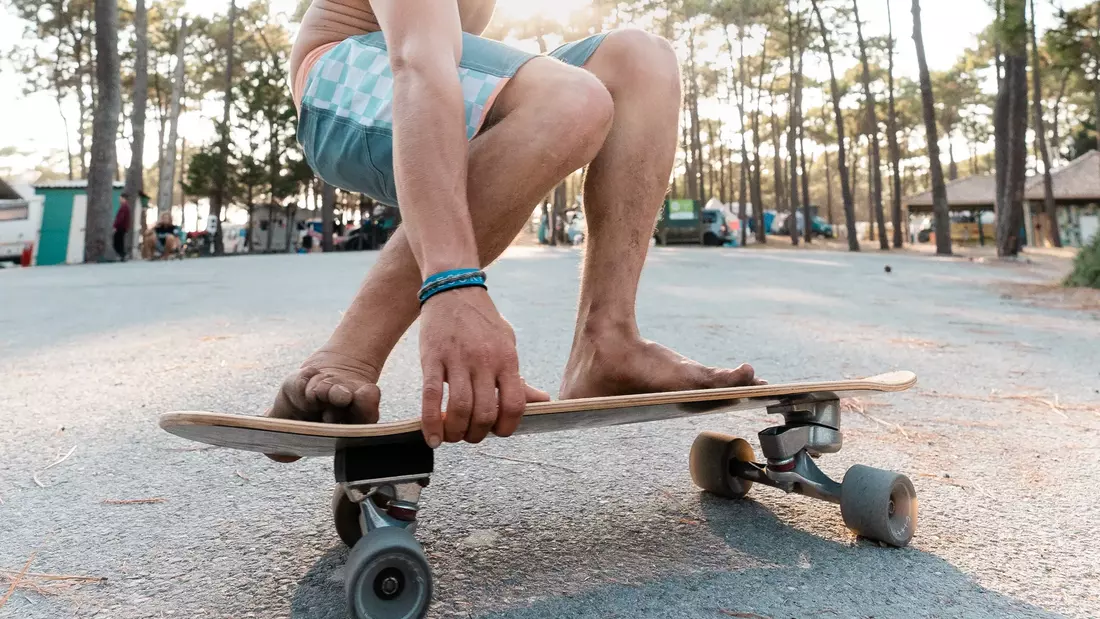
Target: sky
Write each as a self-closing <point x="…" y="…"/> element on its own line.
<point x="33" y="124"/>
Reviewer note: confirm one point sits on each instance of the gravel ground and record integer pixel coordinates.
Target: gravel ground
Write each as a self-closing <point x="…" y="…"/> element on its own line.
<point x="1001" y="438"/>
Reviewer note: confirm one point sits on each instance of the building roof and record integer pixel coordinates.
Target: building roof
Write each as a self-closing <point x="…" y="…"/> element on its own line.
<point x="77" y="184"/>
<point x="7" y="192"/>
<point x="1077" y="180"/>
<point x="972" y="191"/>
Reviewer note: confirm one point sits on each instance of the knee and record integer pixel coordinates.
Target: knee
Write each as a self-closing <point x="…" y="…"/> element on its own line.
<point x="585" y="106"/>
<point x="639" y="59"/>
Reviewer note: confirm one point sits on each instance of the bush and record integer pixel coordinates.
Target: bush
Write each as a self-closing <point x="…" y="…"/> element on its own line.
<point x="1086" y="268"/>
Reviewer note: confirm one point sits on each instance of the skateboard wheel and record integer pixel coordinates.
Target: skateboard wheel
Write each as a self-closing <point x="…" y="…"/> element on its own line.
<point x="345" y="515"/>
<point x="388" y="576"/>
<point x="879" y="505"/>
<point x="711" y="454"/>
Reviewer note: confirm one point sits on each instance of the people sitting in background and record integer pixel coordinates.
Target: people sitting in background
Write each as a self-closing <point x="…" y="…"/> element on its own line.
<point x="162" y="240"/>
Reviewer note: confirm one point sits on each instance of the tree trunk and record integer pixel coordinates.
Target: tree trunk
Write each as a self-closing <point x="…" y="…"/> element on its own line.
<point x="328" y="207"/>
<point x="874" y="179"/>
<point x="1000" y="117"/>
<point x="777" y="164"/>
<point x="742" y="198"/>
<point x="165" y="190"/>
<point x="221" y="180"/>
<point x="291" y="226"/>
<point x="892" y="135"/>
<point x="1049" y="206"/>
<point x="558" y="213"/>
<point x="135" y="176"/>
<point x="104" y="129"/>
<point x="82" y="119"/>
<point x="952" y="167"/>
<point x="828" y="189"/>
<point x="803" y="172"/>
<point x="691" y="180"/>
<point x="1011" y="218"/>
<point x="270" y="229"/>
<point x="248" y="238"/>
<point x="853" y="165"/>
<point x="756" y="191"/>
<point x="792" y="131"/>
<point x="1056" y="140"/>
<point x="181" y="178"/>
<point x="939" y="191"/>
<point x="693" y="108"/>
<point x="842" y="162"/>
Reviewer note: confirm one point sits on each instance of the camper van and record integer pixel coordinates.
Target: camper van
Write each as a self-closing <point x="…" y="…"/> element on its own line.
<point x="20" y="219"/>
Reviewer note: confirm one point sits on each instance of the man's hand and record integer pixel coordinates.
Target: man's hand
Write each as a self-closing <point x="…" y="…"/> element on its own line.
<point x="465" y="343"/>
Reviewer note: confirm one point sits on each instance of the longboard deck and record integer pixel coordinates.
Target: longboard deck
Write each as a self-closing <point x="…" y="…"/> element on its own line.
<point x="306" y="439"/>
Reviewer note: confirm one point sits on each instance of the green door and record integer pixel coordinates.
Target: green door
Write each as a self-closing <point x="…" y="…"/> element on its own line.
<point x="57" y="217"/>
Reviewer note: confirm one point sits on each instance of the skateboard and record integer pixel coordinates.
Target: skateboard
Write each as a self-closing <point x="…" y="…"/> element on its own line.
<point x="381" y="469"/>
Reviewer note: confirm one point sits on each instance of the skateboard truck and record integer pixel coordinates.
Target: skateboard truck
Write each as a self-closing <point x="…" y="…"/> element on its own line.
<point x="811" y="428"/>
<point x="876" y="504"/>
<point x="375" y="504"/>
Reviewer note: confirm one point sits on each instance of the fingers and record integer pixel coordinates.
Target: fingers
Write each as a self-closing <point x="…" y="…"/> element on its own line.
<point x="431" y="406"/>
<point x="460" y="406"/>
<point x="513" y="401"/>
<point x="485" y="408"/>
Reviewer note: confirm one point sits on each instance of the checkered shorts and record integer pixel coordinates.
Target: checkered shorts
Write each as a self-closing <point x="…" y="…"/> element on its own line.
<point x="346" y="120"/>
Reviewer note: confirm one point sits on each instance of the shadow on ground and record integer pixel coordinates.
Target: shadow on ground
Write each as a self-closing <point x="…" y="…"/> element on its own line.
<point x="791" y="574"/>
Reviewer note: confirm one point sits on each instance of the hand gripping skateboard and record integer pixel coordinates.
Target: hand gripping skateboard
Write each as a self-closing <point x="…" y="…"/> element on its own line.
<point x="381" y="469"/>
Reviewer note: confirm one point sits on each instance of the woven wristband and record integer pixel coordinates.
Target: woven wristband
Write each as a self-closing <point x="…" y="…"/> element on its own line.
<point x="451" y="280"/>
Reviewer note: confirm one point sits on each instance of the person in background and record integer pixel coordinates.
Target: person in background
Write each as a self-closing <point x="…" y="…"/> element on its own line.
<point x="163" y="240"/>
<point x="123" y="221"/>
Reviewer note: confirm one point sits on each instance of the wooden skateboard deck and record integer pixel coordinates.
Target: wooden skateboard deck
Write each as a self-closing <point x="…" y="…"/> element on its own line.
<point x="303" y="438"/>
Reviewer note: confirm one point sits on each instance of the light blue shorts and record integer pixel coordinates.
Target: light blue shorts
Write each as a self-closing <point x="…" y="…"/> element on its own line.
<point x="345" y="125"/>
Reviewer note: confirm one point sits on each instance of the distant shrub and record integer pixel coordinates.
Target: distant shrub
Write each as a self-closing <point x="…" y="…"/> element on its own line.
<point x="1086" y="268"/>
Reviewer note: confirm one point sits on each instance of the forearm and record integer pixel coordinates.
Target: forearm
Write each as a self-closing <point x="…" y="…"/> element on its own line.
<point x="430" y="158"/>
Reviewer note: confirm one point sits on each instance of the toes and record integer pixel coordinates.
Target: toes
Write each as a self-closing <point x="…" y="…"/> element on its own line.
<point x="364" y="404"/>
<point x="311" y="394"/>
<point x="738" y="377"/>
<point x="290" y="401"/>
<point x="323" y="391"/>
<point x="535" y="395"/>
<point x="339" y="395"/>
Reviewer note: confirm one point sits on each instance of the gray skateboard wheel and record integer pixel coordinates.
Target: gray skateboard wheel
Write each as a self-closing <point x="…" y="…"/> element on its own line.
<point x="388" y="576"/>
<point x="345" y="515"/>
<point x="879" y="505"/>
<point x="711" y="454"/>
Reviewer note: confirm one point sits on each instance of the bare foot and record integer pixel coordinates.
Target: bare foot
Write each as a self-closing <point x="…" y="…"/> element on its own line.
<point x="627" y="364"/>
<point x="330" y="387"/>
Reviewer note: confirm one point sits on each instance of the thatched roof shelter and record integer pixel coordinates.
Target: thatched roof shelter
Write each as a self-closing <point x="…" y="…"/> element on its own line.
<point x="965" y="194"/>
<point x="1077" y="182"/>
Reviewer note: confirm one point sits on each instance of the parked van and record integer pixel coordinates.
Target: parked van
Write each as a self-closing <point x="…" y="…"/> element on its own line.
<point x="20" y="219"/>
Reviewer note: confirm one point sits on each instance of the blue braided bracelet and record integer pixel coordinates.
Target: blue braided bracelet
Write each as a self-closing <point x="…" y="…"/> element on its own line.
<point x="450" y="280"/>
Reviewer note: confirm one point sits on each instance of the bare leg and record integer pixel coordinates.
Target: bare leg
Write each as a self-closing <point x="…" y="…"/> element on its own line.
<point x="549" y="121"/>
<point x="625" y="186"/>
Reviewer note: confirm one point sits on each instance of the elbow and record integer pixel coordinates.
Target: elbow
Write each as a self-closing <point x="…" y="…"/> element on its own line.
<point x="416" y="58"/>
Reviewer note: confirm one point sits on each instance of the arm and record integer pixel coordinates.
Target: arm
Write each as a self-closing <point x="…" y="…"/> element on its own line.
<point x="424" y="38"/>
<point x="464" y="342"/>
